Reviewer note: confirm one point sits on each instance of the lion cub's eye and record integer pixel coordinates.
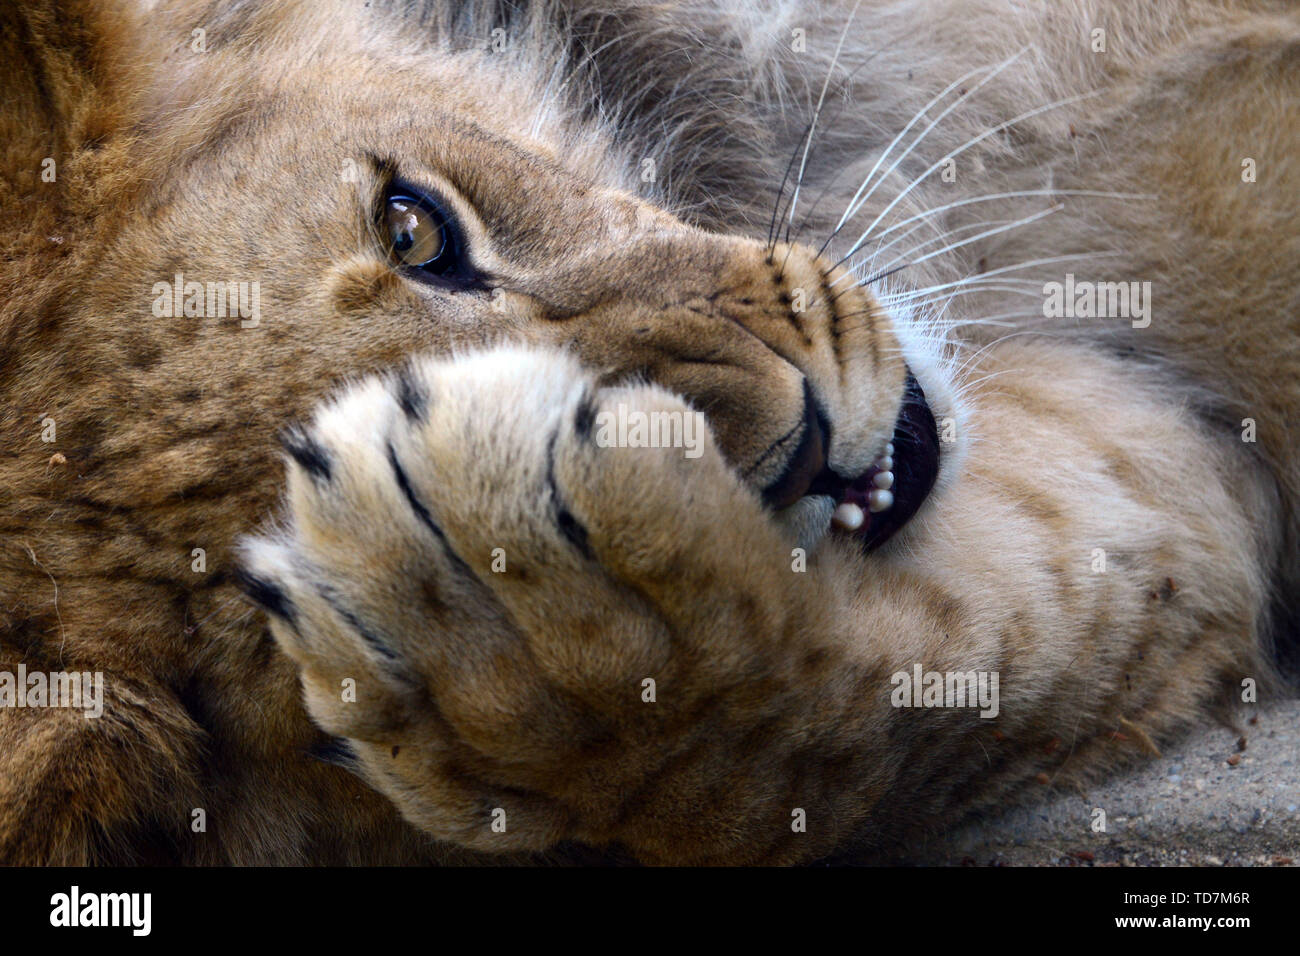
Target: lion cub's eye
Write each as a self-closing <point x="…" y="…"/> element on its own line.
<point x="419" y="235"/>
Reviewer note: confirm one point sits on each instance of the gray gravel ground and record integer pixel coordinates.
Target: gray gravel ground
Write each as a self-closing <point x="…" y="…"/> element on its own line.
<point x="1203" y="803"/>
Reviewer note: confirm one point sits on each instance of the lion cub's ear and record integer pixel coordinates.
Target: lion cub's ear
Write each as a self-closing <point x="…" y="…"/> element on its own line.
<point x="67" y="79"/>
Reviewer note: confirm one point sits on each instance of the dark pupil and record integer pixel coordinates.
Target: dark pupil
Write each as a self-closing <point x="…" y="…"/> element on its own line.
<point x="417" y="237"/>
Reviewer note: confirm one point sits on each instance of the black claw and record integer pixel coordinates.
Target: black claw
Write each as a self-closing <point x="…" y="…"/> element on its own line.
<point x="411" y="397"/>
<point x="573" y="531"/>
<point x="366" y="634"/>
<point x="585" y="416"/>
<point x="307" y="452"/>
<point x="267" y="595"/>
<point x="569" y="526"/>
<point x="421" y="512"/>
<point x="334" y="751"/>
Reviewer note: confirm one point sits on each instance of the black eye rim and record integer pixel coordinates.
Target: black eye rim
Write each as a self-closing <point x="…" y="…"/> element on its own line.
<point x="451" y="267"/>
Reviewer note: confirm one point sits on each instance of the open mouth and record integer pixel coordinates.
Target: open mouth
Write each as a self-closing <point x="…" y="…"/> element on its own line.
<point x="876" y="504"/>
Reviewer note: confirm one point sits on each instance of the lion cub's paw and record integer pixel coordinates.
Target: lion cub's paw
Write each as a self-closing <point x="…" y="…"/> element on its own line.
<point x="475" y="584"/>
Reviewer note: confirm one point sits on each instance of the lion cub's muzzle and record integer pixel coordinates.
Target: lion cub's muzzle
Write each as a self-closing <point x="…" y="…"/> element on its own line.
<point x="797" y="370"/>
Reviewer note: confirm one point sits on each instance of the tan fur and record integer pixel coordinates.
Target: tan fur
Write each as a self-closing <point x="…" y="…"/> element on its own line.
<point x="522" y="691"/>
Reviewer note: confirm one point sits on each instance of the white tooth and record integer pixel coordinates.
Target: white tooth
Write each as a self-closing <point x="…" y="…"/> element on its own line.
<point x="880" y="500"/>
<point x="883" y="479"/>
<point x="848" y="516"/>
<point x="889" y="450"/>
<point x="884" y="463"/>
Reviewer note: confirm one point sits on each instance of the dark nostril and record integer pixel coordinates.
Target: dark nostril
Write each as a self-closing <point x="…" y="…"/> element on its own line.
<point x="808" y="460"/>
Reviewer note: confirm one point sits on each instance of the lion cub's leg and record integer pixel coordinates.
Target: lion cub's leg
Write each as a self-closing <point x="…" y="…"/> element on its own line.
<point x="526" y="636"/>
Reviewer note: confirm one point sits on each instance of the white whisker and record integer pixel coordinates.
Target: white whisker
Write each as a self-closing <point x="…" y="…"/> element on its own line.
<point x="966" y="242"/>
<point x="957" y="152"/>
<point x="946" y="234"/>
<point x="852" y="209"/>
<point x="1017" y="194"/>
<point x="798" y="182"/>
<point x="1012" y="268"/>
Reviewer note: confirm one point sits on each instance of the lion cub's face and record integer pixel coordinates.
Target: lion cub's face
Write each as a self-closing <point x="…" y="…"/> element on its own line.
<point x="384" y="209"/>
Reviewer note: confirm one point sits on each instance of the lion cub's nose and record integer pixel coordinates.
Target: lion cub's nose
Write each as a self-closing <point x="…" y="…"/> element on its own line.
<point x="808" y="459"/>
